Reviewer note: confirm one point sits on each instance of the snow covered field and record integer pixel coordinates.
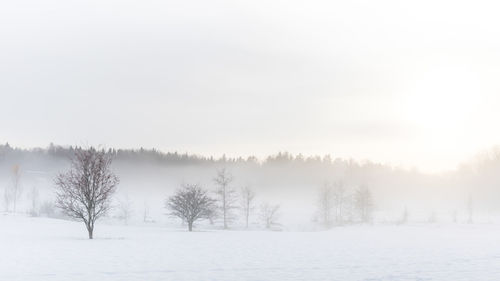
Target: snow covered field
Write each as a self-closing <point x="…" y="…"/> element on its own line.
<point x="50" y="249"/>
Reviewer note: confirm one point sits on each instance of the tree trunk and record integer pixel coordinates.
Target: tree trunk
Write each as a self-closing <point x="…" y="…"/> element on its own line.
<point x="224" y="209"/>
<point x="190" y="226"/>
<point x="247" y="219"/>
<point x="340" y="212"/>
<point x="90" y="229"/>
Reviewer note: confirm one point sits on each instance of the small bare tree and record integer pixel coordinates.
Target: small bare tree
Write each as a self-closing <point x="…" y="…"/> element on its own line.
<point x="226" y="195"/>
<point x="125" y="209"/>
<point x="16" y="185"/>
<point x="34" y="196"/>
<point x="333" y="202"/>
<point x="247" y="198"/>
<point x="84" y="192"/>
<point x="13" y="191"/>
<point x="213" y="215"/>
<point x="7" y="197"/>
<point x="363" y="201"/>
<point x="326" y="204"/>
<point x="404" y="216"/>
<point x="269" y="214"/>
<point x="145" y="213"/>
<point x="47" y="209"/>
<point x="190" y="203"/>
<point x="340" y="198"/>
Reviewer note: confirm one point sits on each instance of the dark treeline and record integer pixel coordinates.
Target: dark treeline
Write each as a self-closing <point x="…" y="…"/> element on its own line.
<point x="154" y="156"/>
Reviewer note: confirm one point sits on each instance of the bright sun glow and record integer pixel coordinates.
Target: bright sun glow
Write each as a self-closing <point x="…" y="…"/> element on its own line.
<point x="443" y="99"/>
<point x="442" y="108"/>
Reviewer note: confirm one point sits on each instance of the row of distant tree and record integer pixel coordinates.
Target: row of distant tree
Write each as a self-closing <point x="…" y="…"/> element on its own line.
<point x="156" y="156"/>
<point x="339" y="205"/>
<point x="191" y="202"/>
<point x="336" y="205"/>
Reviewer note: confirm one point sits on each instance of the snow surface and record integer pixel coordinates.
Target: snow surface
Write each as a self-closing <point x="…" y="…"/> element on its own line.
<point x="50" y="249"/>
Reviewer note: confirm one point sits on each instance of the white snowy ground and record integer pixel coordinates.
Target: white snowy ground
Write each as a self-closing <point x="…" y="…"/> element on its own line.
<point x="49" y="249"/>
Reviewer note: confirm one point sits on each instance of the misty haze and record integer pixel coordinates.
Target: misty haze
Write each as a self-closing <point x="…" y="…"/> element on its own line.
<point x="263" y="140"/>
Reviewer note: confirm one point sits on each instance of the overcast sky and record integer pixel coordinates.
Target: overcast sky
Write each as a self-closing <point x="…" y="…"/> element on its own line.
<point x="411" y="83"/>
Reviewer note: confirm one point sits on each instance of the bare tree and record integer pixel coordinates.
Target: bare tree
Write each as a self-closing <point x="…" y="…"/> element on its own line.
<point x="226" y="195"/>
<point x="363" y="201"/>
<point x="340" y="197"/>
<point x="125" y="209"/>
<point x="213" y="215"/>
<point x="47" y="209"/>
<point x="7" y="197"/>
<point x="326" y="204"/>
<point x="190" y="203"/>
<point x="16" y="185"/>
<point x="34" y="196"/>
<point x="247" y="198"/>
<point x="84" y="192"/>
<point x="269" y="214"/>
<point x="333" y="202"/>
<point x="13" y="191"/>
<point x="404" y="216"/>
<point x="145" y="213"/>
